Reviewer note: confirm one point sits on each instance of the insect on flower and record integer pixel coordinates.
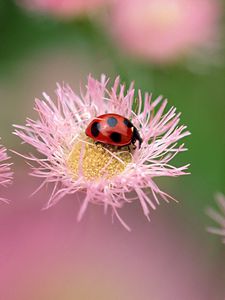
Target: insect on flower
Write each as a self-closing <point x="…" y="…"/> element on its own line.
<point x="113" y="129"/>
<point x="66" y="133"/>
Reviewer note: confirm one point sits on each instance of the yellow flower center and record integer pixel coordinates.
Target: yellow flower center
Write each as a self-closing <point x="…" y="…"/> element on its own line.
<point x="95" y="160"/>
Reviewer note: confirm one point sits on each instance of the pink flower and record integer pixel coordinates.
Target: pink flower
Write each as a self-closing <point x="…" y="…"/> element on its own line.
<point x="63" y="8"/>
<point x="218" y="217"/>
<point x="104" y="174"/>
<point x="44" y="256"/>
<point x="166" y="30"/>
<point x="5" y="171"/>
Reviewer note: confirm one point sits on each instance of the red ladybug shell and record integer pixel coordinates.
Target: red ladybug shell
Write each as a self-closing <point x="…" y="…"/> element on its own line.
<point x="112" y="129"/>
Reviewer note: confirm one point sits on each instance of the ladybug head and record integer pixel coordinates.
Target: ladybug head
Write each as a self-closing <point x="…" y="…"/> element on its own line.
<point x="136" y="137"/>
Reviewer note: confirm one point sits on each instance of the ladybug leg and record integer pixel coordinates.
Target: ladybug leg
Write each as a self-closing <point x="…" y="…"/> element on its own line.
<point x="97" y="143"/>
<point x="132" y="146"/>
<point x="129" y="148"/>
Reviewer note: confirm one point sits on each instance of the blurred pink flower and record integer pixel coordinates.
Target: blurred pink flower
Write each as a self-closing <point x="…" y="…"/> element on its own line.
<point x="5" y="171"/>
<point x="106" y="175"/>
<point x="63" y="8"/>
<point x="165" y="30"/>
<point x="45" y="256"/>
<point x="218" y="217"/>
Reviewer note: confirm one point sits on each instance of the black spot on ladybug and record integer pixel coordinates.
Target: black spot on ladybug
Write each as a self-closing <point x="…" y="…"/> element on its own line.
<point x="111" y="121"/>
<point x="95" y="129"/>
<point x="115" y="137"/>
<point x="127" y="123"/>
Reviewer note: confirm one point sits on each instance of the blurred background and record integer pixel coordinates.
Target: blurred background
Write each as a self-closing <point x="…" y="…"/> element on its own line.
<point x="173" y="48"/>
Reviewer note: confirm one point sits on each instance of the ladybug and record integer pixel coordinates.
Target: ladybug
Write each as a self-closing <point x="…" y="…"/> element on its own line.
<point x="113" y="129"/>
